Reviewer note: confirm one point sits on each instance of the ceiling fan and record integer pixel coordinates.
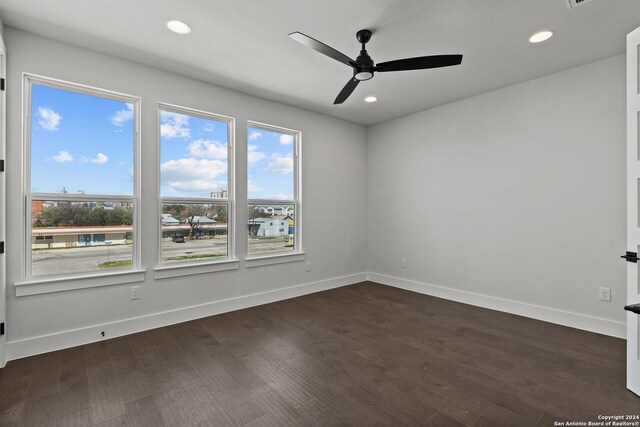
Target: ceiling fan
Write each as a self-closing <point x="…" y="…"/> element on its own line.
<point x="364" y="67"/>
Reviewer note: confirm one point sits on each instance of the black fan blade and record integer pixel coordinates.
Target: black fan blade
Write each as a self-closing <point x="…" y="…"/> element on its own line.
<point x="419" y="63"/>
<point x="346" y="91"/>
<point x="322" y="48"/>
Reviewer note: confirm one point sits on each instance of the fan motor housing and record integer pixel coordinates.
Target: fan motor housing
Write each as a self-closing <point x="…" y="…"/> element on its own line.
<point x="365" y="66"/>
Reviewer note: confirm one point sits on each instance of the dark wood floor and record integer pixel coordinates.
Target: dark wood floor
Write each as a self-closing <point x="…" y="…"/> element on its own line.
<point x="362" y="355"/>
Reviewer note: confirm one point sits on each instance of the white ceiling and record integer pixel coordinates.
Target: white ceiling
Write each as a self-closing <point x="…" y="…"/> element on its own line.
<point x="243" y="44"/>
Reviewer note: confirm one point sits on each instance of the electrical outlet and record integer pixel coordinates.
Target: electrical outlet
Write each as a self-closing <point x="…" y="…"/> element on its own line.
<point x="135" y="292"/>
<point x="605" y="294"/>
<point x="308" y="267"/>
<point x="403" y="263"/>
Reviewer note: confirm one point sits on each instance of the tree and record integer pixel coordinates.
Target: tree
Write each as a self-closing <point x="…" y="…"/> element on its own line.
<point x="188" y="214"/>
<point x="256" y="212"/>
<point x="81" y="214"/>
<point x="174" y="210"/>
<point x="220" y="213"/>
<point x="63" y="214"/>
<point x="119" y="216"/>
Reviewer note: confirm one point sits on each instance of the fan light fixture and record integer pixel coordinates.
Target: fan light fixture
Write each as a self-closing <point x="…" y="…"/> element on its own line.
<point x="370" y="99"/>
<point x="363" y="75"/>
<point x="179" y="27"/>
<point x="541" y="36"/>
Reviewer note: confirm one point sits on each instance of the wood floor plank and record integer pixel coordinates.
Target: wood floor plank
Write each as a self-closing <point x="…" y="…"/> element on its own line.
<point x="144" y="413"/>
<point x="14" y="383"/>
<point x="176" y="409"/>
<point x="268" y="420"/>
<point x="122" y="421"/>
<point x="10" y="415"/>
<point x="76" y="419"/>
<point x="360" y="355"/>
<point x="281" y="411"/>
<point x="41" y="411"/>
<point x="207" y="405"/>
<point x="73" y="400"/>
<point x="240" y="404"/>
<point x="443" y="420"/>
<point x="104" y="393"/>
<point x="44" y="375"/>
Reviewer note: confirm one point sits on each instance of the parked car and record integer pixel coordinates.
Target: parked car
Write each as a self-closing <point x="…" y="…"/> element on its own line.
<point x="178" y="239"/>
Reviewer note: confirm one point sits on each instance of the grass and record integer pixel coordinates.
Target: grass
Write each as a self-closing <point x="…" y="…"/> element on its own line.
<point x="128" y="263"/>
<point x="115" y="264"/>
<point x="187" y="257"/>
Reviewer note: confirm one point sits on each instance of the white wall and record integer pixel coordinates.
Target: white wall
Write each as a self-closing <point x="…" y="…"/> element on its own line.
<point x="333" y="181"/>
<point x="514" y="199"/>
<point x="517" y="194"/>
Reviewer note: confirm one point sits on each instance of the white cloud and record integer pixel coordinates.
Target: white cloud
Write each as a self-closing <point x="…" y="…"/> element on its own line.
<point x="286" y="139"/>
<point x="254" y="135"/>
<point x="253" y="155"/>
<point x="280" y="196"/>
<point x="122" y="116"/>
<point x="99" y="159"/>
<point x="280" y="164"/>
<point x="174" y="125"/>
<point x="197" y="186"/>
<point x="208" y="127"/>
<point x="193" y="175"/>
<point x="49" y="119"/>
<point x="208" y="149"/>
<point x="62" y="157"/>
<point x="252" y="187"/>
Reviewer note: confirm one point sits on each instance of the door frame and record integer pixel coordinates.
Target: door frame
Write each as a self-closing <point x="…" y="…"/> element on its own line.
<point x="3" y="204"/>
<point x="633" y="207"/>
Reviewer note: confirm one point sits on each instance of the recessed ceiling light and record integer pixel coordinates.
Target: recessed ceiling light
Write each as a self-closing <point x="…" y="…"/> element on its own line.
<point x="179" y="27"/>
<point x="541" y="36"/>
<point x="370" y="99"/>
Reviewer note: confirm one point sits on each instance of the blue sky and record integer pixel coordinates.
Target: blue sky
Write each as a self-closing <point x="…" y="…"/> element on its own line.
<point x="270" y="164"/>
<point x="193" y="155"/>
<point x="193" y="159"/>
<point x="85" y="143"/>
<point x="80" y="142"/>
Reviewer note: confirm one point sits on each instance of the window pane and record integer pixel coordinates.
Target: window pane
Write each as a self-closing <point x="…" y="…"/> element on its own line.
<point x="271" y="228"/>
<point x="192" y="232"/>
<point x="80" y="143"/>
<point x="74" y="237"/>
<point x="193" y="156"/>
<point x="270" y="164"/>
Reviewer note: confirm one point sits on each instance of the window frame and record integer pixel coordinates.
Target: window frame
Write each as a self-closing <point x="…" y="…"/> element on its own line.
<point x="123" y="275"/>
<point x="297" y="254"/>
<point x="178" y="268"/>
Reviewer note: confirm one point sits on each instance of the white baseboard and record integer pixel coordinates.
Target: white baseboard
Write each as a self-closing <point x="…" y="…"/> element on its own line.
<point x="547" y="314"/>
<point x="71" y="338"/>
<point x="60" y="340"/>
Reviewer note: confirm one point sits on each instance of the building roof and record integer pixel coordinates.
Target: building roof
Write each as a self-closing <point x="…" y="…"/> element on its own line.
<point x="202" y="219"/>
<point x="46" y="231"/>
<point x="168" y="219"/>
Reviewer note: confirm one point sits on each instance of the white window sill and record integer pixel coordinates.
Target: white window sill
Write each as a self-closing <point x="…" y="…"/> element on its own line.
<point x="280" y="258"/>
<point x="69" y="283"/>
<point x="179" y="270"/>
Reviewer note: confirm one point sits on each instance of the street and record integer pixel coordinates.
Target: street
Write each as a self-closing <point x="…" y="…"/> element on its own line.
<point x="87" y="258"/>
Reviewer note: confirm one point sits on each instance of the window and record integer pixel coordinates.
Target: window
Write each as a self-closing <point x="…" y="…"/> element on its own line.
<point x="81" y="180"/>
<point x="273" y="181"/>
<point x="196" y="163"/>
